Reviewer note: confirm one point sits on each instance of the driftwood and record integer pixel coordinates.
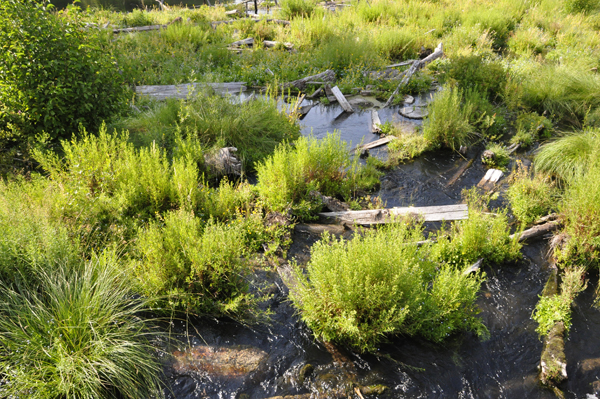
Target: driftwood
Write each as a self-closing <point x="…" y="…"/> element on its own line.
<point x="319" y="229"/>
<point x="438" y="52"/>
<point x="375" y="122"/>
<point x="329" y="94"/>
<point x="474" y="267"/>
<point x="403" y="63"/>
<point x="224" y="162"/>
<point x="490" y="179"/>
<point x="537" y="231"/>
<point x="466" y="165"/>
<point x="379" y="216"/>
<point x="300" y="84"/>
<point x="182" y="91"/>
<point x="245" y="42"/>
<point x="341" y="99"/>
<point x="271" y="44"/>
<point x="373" y="144"/>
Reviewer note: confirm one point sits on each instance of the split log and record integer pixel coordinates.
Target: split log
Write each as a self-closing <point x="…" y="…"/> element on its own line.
<point x="490" y="179"/>
<point x="537" y="231"/>
<point x="182" y="91"/>
<point x="373" y="144"/>
<point x="466" y="165"/>
<point x="300" y="84"/>
<point x="375" y="122"/>
<point x="249" y="41"/>
<point x="379" y="216"/>
<point x="439" y="51"/>
<point x="224" y="162"/>
<point x="341" y="99"/>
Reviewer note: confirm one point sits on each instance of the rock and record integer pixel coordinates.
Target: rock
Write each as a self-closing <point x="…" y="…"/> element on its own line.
<point x="413" y="112"/>
<point x="463" y="149"/>
<point x="487" y="154"/>
<point x="588" y="365"/>
<point x="408" y="99"/>
<point x="225" y="362"/>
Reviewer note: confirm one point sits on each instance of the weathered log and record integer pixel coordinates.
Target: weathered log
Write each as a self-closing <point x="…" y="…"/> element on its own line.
<point x="513" y="148"/>
<point x="490" y="179"/>
<point x="316" y="93"/>
<point x="331" y="203"/>
<point x="139" y="29"/>
<point x="329" y="94"/>
<point x="373" y="144"/>
<point x="249" y="41"/>
<point x="341" y="99"/>
<point x="224" y="162"/>
<point x="375" y="122"/>
<point x="537" y="231"/>
<point x="271" y="44"/>
<point x="439" y="51"/>
<point x="214" y="24"/>
<point x="474" y="267"/>
<point x="379" y="216"/>
<point x="548" y="218"/>
<point x="403" y="63"/>
<point x="182" y="91"/>
<point x="300" y="84"/>
<point x="463" y="168"/>
<point x="319" y="229"/>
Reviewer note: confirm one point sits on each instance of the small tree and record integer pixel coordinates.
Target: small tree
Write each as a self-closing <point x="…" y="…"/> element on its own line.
<point x="54" y="74"/>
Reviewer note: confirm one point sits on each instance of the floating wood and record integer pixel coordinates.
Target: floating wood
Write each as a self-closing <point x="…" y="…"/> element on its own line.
<point x="490" y="179"/>
<point x="341" y="99"/>
<point x="537" y="231"/>
<point x="374" y="144"/>
<point x="182" y="91"/>
<point x="375" y="122"/>
<point x="439" y="51"/>
<point x="463" y="168"/>
<point x="300" y="84"/>
<point x="379" y="216"/>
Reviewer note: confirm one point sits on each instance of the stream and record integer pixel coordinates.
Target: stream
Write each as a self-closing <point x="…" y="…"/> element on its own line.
<point x="225" y="359"/>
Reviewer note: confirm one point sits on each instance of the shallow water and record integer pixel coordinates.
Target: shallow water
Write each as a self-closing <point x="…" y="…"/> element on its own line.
<point x="504" y="366"/>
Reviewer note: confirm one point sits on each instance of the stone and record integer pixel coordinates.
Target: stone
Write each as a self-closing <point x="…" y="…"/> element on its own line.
<point x="487" y="154"/>
<point x="228" y="362"/>
<point x="409" y="99"/>
<point x="413" y="112"/>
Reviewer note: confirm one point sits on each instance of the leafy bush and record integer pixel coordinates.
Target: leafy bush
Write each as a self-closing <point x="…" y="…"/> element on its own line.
<point x="380" y="284"/>
<point x="286" y="178"/>
<point x="448" y="120"/>
<point x="581" y="6"/>
<point x="54" y="74"/>
<point x="78" y="334"/>
<point x="194" y="266"/>
<point x="530" y="198"/>
<point x="482" y="235"/>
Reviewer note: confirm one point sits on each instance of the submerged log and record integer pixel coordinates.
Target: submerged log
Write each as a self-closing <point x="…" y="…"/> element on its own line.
<point x="537" y="231"/>
<point x="163" y="92"/>
<point x="300" y="84"/>
<point x="438" y="52"/>
<point x="466" y="165"/>
<point x="375" y="122"/>
<point x="341" y="99"/>
<point x="379" y="216"/>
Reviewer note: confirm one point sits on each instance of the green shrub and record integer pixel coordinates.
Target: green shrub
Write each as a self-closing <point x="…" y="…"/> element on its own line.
<point x="531" y="127"/>
<point x="530" y="198"/>
<point x="482" y="235"/>
<point x="194" y="266"/>
<point x="380" y="284"/>
<point x="501" y="156"/>
<point x="179" y="33"/>
<point x="297" y="8"/>
<point x="54" y="74"/>
<point x="447" y="123"/>
<point x="406" y="147"/>
<point x="286" y="178"/>
<point x="137" y="17"/>
<point x="78" y="334"/>
<point x="581" y="6"/>
<point x="474" y="73"/>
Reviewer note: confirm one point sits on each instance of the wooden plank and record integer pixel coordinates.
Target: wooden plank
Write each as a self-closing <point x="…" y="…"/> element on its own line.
<point x="374" y="144"/>
<point x="378" y="216"/>
<point x="163" y="92"/>
<point x="341" y="99"/>
<point x="491" y="178"/>
<point x="375" y="122"/>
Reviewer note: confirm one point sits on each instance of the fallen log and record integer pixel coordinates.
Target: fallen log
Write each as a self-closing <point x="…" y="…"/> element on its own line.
<point x="548" y="218"/>
<point x="373" y="144"/>
<point x="403" y="63"/>
<point x="319" y="229"/>
<point x="249" y="41"/>
<point x="271" y="44"/>
<point x="139" y="29"/>
<point x="375" y="122"/>
<point x="379" y="216"/>
<point x="182" y="91"/>
<point x="330" y="203"/>
<point x="438" y="52"/>
<point x="214" y="24"/>
<point x="329" y="94"/>
<point x="537" y="231"/>
<point x="474" y="267"/>
<point x="341" y="99"/>
<point x="316" y="93"/>
<point x="300" y="84"/>
<point x="466" y="165"/>
<point x="491" y="178"/>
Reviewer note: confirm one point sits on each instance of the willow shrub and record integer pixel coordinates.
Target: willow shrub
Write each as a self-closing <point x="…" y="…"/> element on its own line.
<point x="76" y="334"/>
<point x="380" y="284"/>
<point x="286" y="178"/>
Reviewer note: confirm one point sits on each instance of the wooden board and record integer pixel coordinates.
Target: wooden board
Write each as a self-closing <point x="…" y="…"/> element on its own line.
<point x="181" y="91"/>
<point x="374" y="144"/>
<point x="379" y="216"/>
<point x="490" y="179"/>
<point x="341" y="99"/>
<point x="375" y="122"/>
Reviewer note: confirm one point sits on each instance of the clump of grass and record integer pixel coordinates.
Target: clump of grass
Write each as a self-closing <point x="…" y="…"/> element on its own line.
<point x="286" y="178"/>
<point x="472" y="72"/>
<point x="447" y="123"/>
<point x="406" y="147"/>
<point x="531" y="127"/>
<point x="380" y="284"/>
<point x="501" y="156"/>
<point x="482" y="235"/>
<point x="180" y="33"/>
<point x="291" y="9"/>
<point x="78" y="334"/>
<point x="530" y="198"/>
<point x="556" y="308"/>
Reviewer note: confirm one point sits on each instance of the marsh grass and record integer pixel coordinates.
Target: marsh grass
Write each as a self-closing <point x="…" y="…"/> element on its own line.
<point x="531" y="197"/>
<point x="78" y="334"/>
<point x="501" y="156"/>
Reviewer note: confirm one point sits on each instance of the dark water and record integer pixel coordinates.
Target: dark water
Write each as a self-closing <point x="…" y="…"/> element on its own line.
<point x="504" y="366"/>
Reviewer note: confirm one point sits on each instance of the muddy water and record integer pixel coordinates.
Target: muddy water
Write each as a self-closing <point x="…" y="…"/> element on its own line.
<point x="284" y="359"/>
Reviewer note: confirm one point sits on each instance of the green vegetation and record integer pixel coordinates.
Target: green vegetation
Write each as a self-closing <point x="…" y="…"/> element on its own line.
<point x="501" y="156"/>
<point x="380" y="284"/>
<point x="531" y="197"/>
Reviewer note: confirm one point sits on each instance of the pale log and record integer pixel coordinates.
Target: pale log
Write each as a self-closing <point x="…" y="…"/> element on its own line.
<point x="341" y="99"/>
<point x="379" y="216"/>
